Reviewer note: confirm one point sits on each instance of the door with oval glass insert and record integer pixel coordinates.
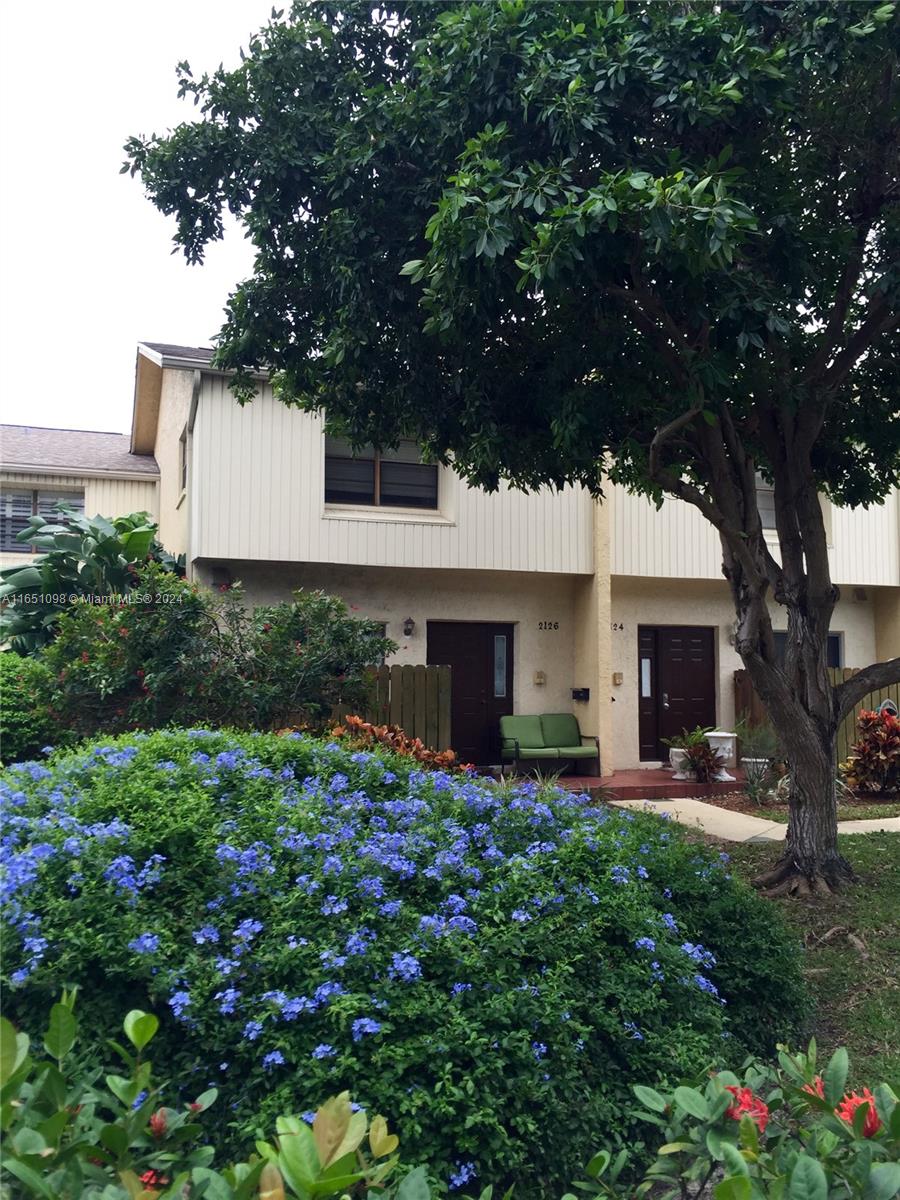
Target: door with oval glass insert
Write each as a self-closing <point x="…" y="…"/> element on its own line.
<point x="480" y="655"/>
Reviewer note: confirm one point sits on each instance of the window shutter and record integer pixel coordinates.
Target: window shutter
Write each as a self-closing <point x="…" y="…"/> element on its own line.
<point x="15" y="511"/>
<point x="47" y="502"/>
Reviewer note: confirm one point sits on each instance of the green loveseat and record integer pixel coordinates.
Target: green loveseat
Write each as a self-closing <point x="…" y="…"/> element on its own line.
<point x="552" y="738"/>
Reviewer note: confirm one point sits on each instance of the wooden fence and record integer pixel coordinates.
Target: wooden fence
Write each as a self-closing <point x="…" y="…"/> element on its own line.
<point x="417" y="698"/>
<point x="748" y="706"/>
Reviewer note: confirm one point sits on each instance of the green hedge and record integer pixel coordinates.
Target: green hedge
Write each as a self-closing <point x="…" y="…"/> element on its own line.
<point x="25" y="722"/>
<point x="493" y="966"/>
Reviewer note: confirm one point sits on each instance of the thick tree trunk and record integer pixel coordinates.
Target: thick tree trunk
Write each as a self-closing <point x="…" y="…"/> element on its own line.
<point x="811" y="861"/>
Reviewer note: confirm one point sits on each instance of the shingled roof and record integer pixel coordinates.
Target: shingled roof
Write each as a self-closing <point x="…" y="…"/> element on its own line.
<point x="23" y="447"/>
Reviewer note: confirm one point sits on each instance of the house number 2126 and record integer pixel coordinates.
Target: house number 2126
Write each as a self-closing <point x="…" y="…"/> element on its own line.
<point x="548" y="624"/>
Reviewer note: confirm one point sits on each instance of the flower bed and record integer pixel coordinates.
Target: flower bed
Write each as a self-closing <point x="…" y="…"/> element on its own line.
<point x="485" y="963"/>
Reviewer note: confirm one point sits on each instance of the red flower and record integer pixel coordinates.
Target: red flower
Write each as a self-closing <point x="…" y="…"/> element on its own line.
<point x="851" y="1102"/>
<point x="195" y="1107"/>
<point x="85" y="657"/>
<point x="746" y="1102"/>
<point x="158" y="1123"/>
<point x="154" y="1179"/>
<point x="816" y="1088"/>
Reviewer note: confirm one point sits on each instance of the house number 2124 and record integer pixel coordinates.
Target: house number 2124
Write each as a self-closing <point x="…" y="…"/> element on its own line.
<point x="548" y="624"/>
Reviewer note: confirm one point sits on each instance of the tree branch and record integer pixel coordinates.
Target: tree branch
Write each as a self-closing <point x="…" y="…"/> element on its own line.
<point x="869" y="679"/>
<point x="879" y="319"/>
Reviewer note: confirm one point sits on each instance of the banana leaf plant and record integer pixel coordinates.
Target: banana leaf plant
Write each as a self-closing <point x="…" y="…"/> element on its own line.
<point x="80" y="559"/>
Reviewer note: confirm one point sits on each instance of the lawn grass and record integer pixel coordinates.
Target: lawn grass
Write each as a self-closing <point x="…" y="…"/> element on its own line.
<point x="845" y="812"/>
<point x="852" y="955"/>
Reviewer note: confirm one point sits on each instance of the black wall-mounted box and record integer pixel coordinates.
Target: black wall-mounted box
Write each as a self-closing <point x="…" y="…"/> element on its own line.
<point x="581" y="693"/>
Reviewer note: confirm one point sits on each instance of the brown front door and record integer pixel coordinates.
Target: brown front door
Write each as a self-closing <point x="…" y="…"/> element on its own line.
<point x="480" y="656"/>
<point x="676" y="683"/>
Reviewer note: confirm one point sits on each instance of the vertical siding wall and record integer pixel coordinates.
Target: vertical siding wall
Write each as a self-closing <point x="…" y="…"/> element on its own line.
<point x="108" y="497"/>
<point x="259" y="494"/>
<point x="676" y="542"/>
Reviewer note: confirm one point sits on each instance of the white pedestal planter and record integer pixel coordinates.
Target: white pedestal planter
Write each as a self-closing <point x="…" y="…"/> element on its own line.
<point x="676" y="762"/>
<point x="726" y="744"/>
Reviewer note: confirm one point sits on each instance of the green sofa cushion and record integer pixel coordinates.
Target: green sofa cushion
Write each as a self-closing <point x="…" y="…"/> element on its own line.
<point x="531" y="752"/>
<point x="577" y="751"/>
<point x="560" y="729"/>
<point x="524" y="730"/>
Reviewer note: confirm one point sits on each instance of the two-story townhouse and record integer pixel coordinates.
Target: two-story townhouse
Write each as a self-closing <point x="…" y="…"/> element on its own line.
<point x="540" y="603"/>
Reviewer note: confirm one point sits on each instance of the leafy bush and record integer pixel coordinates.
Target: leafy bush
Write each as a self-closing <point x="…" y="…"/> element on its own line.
<point x="26" y="725"/>
<point x="874" y="762"/>
<point x="774" y="1134"/>
<point x="702" y="761"/>
<point x="83" y="557"/>
<point x="363" y="735"/>
<point x="66" y="1134"/>
<point x="484" y="962"/>
<point x="174" y="652"/>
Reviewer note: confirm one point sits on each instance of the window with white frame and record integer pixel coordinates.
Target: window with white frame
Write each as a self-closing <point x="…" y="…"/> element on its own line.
<point x="765" y="501"/>
<point x="18" y="505"/>
<point x="380" y="478"/>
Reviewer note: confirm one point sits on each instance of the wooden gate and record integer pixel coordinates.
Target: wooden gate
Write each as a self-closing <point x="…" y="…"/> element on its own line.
<point x="747" y="705"/>
<point x="417" y="698"/>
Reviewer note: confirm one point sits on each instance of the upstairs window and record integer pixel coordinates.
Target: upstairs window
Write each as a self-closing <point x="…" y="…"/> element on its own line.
<point x="765" y="500"/>
<point x="381" y="478"/>
<point x="18" y="505"/>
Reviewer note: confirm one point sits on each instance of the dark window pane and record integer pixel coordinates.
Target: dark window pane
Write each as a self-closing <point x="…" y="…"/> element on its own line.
<point x="47" y="503"/>
<point x="349" y="481"/>
<point x="339" y="448"/>
<point x="15" y="510"/>
<point x="408" y="485"/>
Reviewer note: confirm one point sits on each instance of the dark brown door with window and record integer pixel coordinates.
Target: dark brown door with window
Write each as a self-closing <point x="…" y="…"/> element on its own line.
<point x="676" y="683"/>
<point x="480" y="656"/>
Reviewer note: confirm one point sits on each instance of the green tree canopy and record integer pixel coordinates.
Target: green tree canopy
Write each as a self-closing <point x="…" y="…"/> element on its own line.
<point x="555" y="239"/>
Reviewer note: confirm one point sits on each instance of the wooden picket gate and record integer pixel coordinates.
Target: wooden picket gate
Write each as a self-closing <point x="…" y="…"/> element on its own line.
<point x="747" y="705"/>
<point x="417" y="698"/>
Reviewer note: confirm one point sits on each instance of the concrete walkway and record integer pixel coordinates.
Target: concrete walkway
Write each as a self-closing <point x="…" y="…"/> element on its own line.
<point x="741" y="827"/>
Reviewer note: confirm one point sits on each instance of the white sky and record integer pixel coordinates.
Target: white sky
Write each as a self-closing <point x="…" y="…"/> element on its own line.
<point x="87" y="269"/>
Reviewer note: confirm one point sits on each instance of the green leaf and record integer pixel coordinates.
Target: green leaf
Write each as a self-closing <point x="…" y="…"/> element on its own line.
<point x="60" y="1036"/>
<point x="807" y="1180"/>
<point x="649" y="1098"/>
<point x="114" y="1138"/>
<point x="714" y="1144"/>
<point x="29" y="1177"/>
<point x="692" y="1101"/>
<point x="411" y="267"/>
<point x="598" y="1164"/>
<point x="140" y="1027"/>
<point x="675" y="1147"/>
<point x="749" y="1134"/>
<point x="884" y="1181"/>
<point x="13" y="1049"/>
<point x="733" y="1159"/>
<point x="297" y="1158"/>
<point x="414" y="1186"/>
<point x="735" y="1187"/>
<point x="123" y="1089"/>
<point x="835" y="1077"/>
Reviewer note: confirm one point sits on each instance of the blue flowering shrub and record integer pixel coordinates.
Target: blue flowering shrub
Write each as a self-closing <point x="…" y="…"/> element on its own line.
<point x="487" y="963"/>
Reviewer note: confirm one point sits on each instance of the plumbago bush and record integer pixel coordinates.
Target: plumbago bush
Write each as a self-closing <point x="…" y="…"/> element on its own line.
<point x="484" y="963"/>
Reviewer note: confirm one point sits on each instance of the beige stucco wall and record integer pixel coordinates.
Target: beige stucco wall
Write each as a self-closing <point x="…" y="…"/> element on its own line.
<point x="887" y="622"/>
<point x="638" y="601"/>
<point x="174" y="504"/>
<point x="392" y="595"/>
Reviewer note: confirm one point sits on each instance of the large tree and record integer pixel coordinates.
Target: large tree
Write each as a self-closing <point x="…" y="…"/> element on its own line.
<point x="560" y="242"/>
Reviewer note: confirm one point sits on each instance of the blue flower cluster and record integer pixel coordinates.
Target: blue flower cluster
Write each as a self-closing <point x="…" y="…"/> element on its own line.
<point x="329" y="908"/>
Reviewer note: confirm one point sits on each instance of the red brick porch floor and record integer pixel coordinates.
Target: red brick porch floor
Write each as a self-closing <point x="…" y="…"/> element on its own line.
<point x="649" y="784"/>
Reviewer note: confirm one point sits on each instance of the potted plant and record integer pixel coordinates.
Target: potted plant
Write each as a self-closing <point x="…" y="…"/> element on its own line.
<point x="759" y="751"/>
<point x="681" y="744"/>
